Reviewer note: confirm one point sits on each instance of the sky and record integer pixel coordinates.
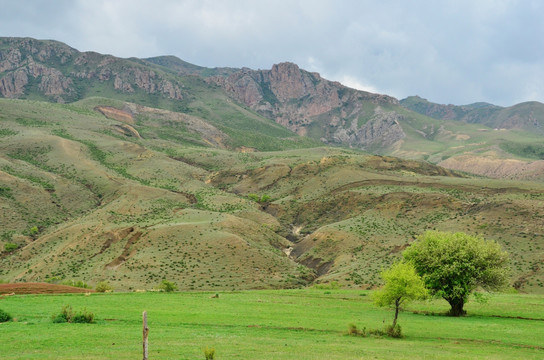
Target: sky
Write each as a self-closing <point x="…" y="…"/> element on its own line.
<point x="450" y="52"/>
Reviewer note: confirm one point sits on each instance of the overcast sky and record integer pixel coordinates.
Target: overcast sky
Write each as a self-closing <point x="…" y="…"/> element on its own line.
<point x="458" y="51"/>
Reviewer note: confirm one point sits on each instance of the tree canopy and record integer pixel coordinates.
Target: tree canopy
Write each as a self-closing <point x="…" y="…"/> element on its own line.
<point x="453" y="265"/>
<point x="402" y="284"/>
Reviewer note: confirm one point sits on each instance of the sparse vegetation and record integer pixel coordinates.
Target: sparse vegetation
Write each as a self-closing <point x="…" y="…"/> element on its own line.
<point x="167" y="286"/>
<point x="260" y="199"/>
<point x="67" y="315"/>
<point x="103" y="287"/>
<point x="76" y="283"/>
<point x="8" y="247"/>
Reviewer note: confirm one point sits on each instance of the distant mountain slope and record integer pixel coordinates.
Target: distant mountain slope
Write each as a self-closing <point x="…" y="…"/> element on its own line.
<point x="282" y="108"/>
<point x="181" y="67"/>
<point x="527" y="116"/>
<point x="51" y="70"/>
<point x="312" y="106"/>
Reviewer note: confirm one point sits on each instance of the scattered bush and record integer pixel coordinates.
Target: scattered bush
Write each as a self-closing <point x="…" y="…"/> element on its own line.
<point x="103" y="287"/>
<point x="67" y="315"/>
<point x="4" y="316"/>
<point x="209" y="353"/>
<point x="167" y="286"/>
<point x="333" y="285"/>
<point x="353" y="331"/>
<point x="260" y="199"/>
<point x="394" y="331"/>
<point x="33" y="232"/>
<point x="8" y="247"/>
<point x="83" y="317"/>
<point x="78" y="283"/>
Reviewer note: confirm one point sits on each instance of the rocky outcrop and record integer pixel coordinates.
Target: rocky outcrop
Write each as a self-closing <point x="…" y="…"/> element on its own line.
<point x="55" y="68"/>
<point x="309" y="105"/>
<point x="382" y="130"/>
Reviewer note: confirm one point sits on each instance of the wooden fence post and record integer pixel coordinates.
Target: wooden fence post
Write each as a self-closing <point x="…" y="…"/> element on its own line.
<point x="145" y="333"/>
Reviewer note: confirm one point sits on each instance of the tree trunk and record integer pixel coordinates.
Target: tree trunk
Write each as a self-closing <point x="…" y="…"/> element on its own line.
<point x="456" y="307"/>
<point x="397" y="305"/>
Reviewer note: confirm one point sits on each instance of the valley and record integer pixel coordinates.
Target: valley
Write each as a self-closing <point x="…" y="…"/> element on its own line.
<point x="138" y="170"/>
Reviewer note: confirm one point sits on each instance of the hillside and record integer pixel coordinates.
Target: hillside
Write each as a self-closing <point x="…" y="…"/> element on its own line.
<point x="104" y="189"/>
<point x="528" y="116"/>
<point x="265" y="110"/>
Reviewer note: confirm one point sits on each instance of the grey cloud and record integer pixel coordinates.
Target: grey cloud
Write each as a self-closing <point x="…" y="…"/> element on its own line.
<point x="449" y="51"/>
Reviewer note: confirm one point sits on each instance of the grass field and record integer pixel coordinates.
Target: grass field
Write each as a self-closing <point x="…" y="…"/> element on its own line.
<point x="286" y="324"/>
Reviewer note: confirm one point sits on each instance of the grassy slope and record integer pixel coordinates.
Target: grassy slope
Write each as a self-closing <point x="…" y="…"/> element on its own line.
<point x="167" y="206"/>
<point x="302" y="324"/>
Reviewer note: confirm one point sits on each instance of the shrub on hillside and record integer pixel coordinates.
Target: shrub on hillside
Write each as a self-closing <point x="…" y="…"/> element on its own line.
<point x="79" y="283"/>
<point x="103" y="287"/>
<point x="167" y="286"/>
<point x="8" y="247"/>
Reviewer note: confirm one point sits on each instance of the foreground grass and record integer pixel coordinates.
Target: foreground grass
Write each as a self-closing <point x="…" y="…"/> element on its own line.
<point x="289" y="324"/>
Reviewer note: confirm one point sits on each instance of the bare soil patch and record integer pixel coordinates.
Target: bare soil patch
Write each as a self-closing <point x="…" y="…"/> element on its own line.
<point x="40" y="288"/>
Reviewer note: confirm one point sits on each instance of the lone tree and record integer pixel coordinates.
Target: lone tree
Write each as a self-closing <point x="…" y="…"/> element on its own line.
<point x="453" y="265"/>
<point x="402" y="285"/>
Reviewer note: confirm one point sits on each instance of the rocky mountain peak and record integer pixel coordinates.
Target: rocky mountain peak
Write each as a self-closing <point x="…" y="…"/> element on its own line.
<point x="308" y="104"/>
<point x="57" y="68"/>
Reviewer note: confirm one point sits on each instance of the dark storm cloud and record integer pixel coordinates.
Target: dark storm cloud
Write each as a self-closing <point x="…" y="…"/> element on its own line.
<point x="447" y="51"/>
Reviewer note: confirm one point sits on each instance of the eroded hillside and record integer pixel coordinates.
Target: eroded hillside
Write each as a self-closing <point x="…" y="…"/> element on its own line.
<point x="108" y="190"/>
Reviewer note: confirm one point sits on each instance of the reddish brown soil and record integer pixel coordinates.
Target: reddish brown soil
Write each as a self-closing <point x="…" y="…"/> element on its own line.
<point x="40" y="288"/>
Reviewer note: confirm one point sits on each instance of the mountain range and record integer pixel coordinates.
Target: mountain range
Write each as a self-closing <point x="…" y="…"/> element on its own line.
<point x="134" y="170"/>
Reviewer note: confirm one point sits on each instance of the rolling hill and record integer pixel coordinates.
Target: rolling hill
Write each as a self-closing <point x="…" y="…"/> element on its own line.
<point x="95" y="197"/>
<point x="138" y="170"/>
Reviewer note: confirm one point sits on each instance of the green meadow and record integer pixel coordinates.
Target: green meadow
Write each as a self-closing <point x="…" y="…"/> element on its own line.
<point x="269" y="324"/>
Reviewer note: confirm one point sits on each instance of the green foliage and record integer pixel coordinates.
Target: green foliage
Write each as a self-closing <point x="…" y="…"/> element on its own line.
<point x="209" y="353"/>
<point x="453" y="265"/>
<point x="354" y="331"/>
<point x="7" y="132"/>
<point x="402" y="285"/>
<point x="33" y="231"/>
<point x="333" y="285"/>
<point x="76" y="283"/>
<point x="5" y="192"/>
<point x="260" y="199"/>
<point x="4" y="316"/>
<point x="167" y="286"/>
<point x="67" y="315"/>
<point x="103" y="287"/>
<point x="394" y="331"/>
<point x="45" y="184"/>
<point x="8" y="247"/>
<point x="529" y="151"/>
<point x="31" y="122"/>
<point x="83" y="317"/>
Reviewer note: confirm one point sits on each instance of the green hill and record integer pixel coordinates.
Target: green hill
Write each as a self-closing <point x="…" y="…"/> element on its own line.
<point x="93" y="197"/>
